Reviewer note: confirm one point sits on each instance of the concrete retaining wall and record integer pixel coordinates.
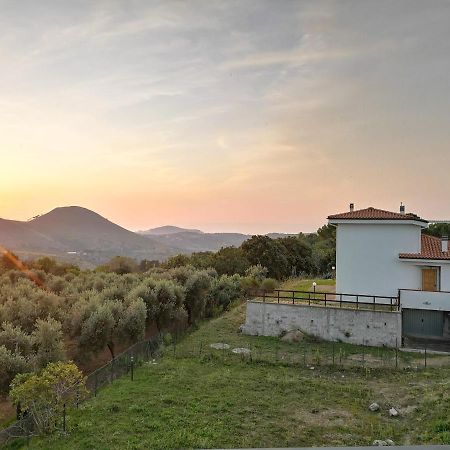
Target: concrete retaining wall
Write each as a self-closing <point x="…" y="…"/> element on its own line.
<point x="372" y="328"/>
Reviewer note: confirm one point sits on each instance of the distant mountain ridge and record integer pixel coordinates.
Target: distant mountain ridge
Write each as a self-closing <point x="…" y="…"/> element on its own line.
<point x="199" y="241"/>
<point x="167" y="229"/>
<point x="82" y="236"/>
<point x="79" y="234"/>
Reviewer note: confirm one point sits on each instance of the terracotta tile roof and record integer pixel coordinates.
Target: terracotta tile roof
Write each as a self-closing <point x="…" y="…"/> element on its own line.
<point x="375" y="214"/>
<point x="431" y="249"/>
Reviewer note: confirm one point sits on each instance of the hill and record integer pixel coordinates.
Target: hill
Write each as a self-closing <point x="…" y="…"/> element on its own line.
<point x="167" y="229"/>
<point x="80" y="234"/>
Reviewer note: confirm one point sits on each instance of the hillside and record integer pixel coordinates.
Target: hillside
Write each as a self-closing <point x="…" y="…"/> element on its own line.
<point x="78" y="233"/>
<point x="284" y="395"/>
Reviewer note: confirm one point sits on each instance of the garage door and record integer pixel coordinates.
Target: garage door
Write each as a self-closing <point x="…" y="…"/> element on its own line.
<point x="422" y="322"/>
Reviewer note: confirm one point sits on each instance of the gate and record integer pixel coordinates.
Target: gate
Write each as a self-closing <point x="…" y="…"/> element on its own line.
<point x="423" y="323"/>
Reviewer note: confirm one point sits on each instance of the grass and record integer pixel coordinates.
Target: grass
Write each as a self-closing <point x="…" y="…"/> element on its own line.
<point x="298" y="284"/>
<point x="197" y="397"/>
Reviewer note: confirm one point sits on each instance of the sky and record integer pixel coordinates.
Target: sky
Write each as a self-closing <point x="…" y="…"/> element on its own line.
<point x="250" y="115"/>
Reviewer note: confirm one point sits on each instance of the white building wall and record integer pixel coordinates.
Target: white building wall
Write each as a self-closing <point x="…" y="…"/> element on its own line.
<point x="445" y="277"/>
<point x="367" y="258"/>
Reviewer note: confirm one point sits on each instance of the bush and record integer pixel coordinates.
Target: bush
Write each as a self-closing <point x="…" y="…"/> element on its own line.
<point x="43" y="395"/>
<point x="269" y="284"/>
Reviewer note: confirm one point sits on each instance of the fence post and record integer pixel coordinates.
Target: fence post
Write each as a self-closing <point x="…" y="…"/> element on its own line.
<point x="264" y="295"/>
<point x="396" y="353"/>
<point x="425" y="355"/>
<point x="132" y="368"/>
<point x="278" y="295"/>
<point x="112" y="370"/>
<point x="293" y="297"/>
<point x="95" y="383"/>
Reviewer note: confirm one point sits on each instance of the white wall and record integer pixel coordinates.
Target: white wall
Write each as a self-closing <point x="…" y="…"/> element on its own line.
<point x="437" y="301"/>
<point x="373" y="328"/>
<point x="367" y="260"/>
<point x="445" y="277"/>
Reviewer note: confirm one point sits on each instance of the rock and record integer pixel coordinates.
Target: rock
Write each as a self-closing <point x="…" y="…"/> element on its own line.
<point x="312" y="367"/>
<point x="393" y="412"/>
<point x="220" y="346"/>
<point x="374" y="407"/>
<point x="241" y="350"/>
<point x="293" y="336"/>
<point x="379" y="443"/>
<point x="390" y="442"/>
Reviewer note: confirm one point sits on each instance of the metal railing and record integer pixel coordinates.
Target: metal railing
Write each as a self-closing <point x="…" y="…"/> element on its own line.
<point x="329" y="299"/>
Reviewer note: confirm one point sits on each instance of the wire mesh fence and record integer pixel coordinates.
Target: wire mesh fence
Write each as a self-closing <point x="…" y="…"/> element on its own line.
<point x="121" y="365"/>
<point x="312" y="355"/>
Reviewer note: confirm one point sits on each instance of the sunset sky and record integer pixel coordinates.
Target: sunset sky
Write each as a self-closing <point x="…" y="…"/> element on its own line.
<point x="248" y="115"/>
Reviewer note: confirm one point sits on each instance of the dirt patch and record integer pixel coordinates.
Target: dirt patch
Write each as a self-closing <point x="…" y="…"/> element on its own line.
<point x="325" y="417"/>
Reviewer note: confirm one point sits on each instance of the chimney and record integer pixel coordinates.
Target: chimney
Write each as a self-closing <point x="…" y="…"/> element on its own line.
<point x="352" y="207"/>
<point x="444" y="242"/>
<point x="402" y="208"/>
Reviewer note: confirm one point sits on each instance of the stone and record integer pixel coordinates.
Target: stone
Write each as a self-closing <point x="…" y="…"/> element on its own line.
<point x="379" y="443"/>
<point x="220" y="346"/>
<point x="293" y="336"/>
<point x="393" y="412"/>
<point x="241" y="350"/>
<point x="390" y="442"/>
<point x="374" y="407"/>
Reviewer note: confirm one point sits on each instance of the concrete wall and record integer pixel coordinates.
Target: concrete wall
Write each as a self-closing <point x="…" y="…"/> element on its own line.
<point x="367" y="259"/>
<point x="334" y="324"/>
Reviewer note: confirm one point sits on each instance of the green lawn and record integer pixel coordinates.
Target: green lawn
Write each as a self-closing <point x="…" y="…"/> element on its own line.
<point x="198" y="397"/>
<point x="298" y="284"/>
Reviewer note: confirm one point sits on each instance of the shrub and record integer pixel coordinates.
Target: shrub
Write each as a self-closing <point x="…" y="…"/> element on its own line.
<point x="43" y="395"/>
<point x="269" y="284"/>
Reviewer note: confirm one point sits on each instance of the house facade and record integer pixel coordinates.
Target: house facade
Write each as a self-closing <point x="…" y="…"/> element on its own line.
<point x="385" y="253"/>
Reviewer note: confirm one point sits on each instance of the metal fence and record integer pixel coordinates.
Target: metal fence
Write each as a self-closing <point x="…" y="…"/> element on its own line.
<point x="315" y="354"/>
<point x="329" y="299"/>
<point x="121" y="365"/>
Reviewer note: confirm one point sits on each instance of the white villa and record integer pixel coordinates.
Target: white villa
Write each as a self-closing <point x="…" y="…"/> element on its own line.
<point x="385" y="253"/>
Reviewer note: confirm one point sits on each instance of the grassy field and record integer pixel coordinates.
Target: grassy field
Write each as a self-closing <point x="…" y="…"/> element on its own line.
<point x="297" y="284"/>
<point x="198" y="397"/>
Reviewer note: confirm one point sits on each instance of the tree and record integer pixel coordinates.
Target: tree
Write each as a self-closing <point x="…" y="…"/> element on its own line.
<point x="298" y="254"/>
<point x="437" y="229"/>
<point x="121" y="265"/>
<point x="99" y="330"/>
<point x="15" y="339"/>
<point x="43" y="395"/>
<point x="270" y="253"/>
<point x="47" y="341"/>
<point x="10" y="365"/>
<point x="132" y="322"/>
<point x="177" y="261"/>
<point x="230" y="261"/>
<point x="222" y="293"/>
<point x="196" y="287"/>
